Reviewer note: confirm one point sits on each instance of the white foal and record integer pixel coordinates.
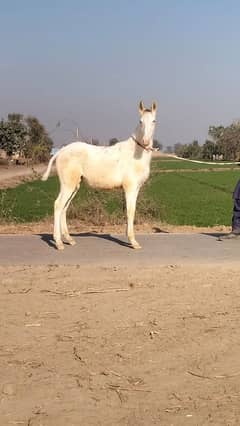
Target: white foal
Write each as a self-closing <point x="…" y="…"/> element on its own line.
<point x="126" y="165"/>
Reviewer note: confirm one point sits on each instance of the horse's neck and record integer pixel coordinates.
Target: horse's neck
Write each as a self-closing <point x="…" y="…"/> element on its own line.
<point x="138" y="152"/>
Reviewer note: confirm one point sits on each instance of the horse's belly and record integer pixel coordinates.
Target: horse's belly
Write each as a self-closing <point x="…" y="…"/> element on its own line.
<point x="104" y="180"/>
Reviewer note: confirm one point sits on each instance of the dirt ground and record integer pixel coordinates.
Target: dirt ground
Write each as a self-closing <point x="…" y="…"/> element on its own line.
<point x="116" y="346"/>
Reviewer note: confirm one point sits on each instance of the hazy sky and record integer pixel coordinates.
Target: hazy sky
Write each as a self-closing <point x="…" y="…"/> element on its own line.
<point x="88" y="63"/>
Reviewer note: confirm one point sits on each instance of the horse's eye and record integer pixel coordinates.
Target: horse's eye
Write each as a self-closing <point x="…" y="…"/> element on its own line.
<point x="140" y="121"/>
<point x="154" y="121"/>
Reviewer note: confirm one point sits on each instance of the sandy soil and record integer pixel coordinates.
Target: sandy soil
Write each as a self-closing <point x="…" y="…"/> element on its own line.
<point x="105" y="346"/>
<point x="76" y="226"/>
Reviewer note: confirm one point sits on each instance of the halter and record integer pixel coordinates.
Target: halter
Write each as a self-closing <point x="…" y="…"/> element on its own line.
<point x="147" y="148"/>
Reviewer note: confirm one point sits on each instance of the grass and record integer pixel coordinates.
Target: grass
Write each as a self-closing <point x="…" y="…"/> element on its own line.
<point x="180" y="198"/>
<point x="200" y="199"/>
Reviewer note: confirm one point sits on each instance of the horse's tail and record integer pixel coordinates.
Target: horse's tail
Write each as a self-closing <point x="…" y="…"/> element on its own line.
<point x="46" y="174"/>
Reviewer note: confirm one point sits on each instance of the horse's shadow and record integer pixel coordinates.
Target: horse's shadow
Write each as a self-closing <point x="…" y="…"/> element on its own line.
<point x="217" y="235"/>
<point x="48" y="238"/>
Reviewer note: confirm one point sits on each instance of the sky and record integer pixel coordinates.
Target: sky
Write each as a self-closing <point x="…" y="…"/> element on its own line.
<point x="87" y="64"/>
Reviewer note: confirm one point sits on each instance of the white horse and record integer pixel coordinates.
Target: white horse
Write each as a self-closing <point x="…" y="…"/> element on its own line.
<point x="126" y="165"/>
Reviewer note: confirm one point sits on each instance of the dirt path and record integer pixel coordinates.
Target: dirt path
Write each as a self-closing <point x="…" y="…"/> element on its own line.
<point x="110" y="346"/>
<point x="11" y="176"/>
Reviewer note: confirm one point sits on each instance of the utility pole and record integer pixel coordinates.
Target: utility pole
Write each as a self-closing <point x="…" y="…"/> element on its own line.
<point x="77" y="132"/>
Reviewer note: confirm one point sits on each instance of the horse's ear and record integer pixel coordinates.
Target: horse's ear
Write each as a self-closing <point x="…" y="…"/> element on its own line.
<point x="154" y="107"/>
<point x="141" y="107"/>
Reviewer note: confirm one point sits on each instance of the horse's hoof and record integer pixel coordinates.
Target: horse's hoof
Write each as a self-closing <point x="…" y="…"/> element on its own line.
<point x="136" y="246"/>
<point x="60" y="246"/>
<point x="69" y="240"/>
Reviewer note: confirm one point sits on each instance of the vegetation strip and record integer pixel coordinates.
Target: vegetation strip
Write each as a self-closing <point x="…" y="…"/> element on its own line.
<point x="179" y="197"/>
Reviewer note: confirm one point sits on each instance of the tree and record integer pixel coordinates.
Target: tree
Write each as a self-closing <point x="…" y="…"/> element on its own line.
<point x="25" y="136"/>
<point x="179" y="149"/>
<point x="169" y="149"/>
<point x="227" y="140"/>
<point x="216" y="132"/>
<point x="113" y="141"/>
<point x="208" y="150"/>
<point x="192" y="150"/>
<point x="157" y="144"/>
<point x="13" y="134"/>
<point x="37" y="141"/>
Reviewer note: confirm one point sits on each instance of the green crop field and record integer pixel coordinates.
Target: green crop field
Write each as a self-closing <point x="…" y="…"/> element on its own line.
<point x="180" y="198"/>
<point x="201" y="199"/>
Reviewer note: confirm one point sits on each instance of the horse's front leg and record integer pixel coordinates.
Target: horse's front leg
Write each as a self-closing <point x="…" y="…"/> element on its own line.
<point x="131" y="199"/>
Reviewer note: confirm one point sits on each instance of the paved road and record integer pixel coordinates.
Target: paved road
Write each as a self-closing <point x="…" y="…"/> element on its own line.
<point x="110" y="250"/>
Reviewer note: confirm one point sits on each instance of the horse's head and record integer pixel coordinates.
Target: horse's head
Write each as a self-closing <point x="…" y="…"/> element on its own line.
<point x="146" y="127"/>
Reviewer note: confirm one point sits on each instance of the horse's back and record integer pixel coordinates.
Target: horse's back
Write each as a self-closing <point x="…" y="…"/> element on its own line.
<point x="101" y="166"/>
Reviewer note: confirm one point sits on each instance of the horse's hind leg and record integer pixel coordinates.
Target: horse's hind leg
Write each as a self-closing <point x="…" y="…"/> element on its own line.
<point x="63" y="199"/>
<point x="64" y="228"/>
